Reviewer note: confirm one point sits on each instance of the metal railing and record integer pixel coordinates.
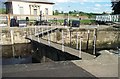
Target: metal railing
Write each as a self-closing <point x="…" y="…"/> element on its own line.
<point x="108" y="18"/>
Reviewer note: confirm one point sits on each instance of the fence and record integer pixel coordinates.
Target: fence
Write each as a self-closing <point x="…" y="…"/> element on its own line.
<point x="17" y="35"/>
<point x="5" y="18"/>
<point x="90" y="39"/>
<point x="108" y="18"/>
<point x="107" y="35"/>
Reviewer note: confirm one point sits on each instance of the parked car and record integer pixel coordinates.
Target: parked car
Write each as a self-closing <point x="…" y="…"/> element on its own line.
<point x="22" y="23"/>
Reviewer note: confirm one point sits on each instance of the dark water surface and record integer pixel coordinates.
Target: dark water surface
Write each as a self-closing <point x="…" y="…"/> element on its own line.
<point x="16" y="54"/>
<point x="26" y="54"/>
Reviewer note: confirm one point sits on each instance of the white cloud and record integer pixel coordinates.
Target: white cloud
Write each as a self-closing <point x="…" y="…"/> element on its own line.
<point x="107" y="5"/>
<point x="62" y="1"/>
<point x="82" y="3"/>
<point x="97" y="5"/>
<point x="104" y="5"/>
<point x="95" y="8"/>
<point x="61" y="8"/>
<point x="100" y="9"/>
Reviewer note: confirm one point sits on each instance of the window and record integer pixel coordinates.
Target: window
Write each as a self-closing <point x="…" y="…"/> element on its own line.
<point x="21" y="10"/>
<point x="46" y="11"/>
<point x="35" y="11"/>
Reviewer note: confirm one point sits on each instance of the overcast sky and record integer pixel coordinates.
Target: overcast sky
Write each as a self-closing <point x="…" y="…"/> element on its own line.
<point x="97" y="6"/>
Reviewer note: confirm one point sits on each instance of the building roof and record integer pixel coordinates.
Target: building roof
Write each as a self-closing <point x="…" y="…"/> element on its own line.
<point x="33" y="1"/>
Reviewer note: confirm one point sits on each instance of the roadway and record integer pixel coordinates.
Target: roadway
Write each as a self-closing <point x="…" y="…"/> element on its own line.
<point x="104" y="67"/>
<point x="56" y="69"/>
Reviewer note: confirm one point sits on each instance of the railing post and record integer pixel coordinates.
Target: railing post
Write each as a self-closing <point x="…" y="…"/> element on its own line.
<point x="55" y="37"/>
<point x="9" y="20"/>
<point x="94" y="41"/>
<point x="35" y="30"/>
<point x="88" y="35"/>
<point x="94" y="46"/>
<point x="39" y="30"/>
<point x="50" y="34"/>
<point x="1" y="41"/>
<point x="38" y="38"/>
<point x="48" y="37"/>
<point x="12" y="41"/>
<point x="26" y="35"/>
<point x="31" y="33"/>
<point x="70" y="37"/>
<point x="42" y="32"/>
<point x="62" y="40"/>
<point x="77" y="41"/>
<point x="80" y="48"/>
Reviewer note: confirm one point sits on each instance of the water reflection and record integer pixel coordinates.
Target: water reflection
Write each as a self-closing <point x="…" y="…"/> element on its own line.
<point x="22" y="54"/>
<point x="10" y="61"/>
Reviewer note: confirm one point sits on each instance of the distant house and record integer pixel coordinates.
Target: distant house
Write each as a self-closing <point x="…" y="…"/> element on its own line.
<point x="29" y="7"/>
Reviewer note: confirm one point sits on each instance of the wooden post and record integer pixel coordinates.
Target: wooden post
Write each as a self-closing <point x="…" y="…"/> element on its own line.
<point x="1" y="39"/>
<point x="94" y="41"/>
<point x="55" y="37"/>
<point x="80" y="48"/>
<point x="48" y="37"/>
<point x="94" y="49"/>
<point x="12" y="42"/>
<point x="62" y="40"/>
<point x="88" y="35"/>
<point x="9" y="20"/>
<point x="12" y="38"/>
<point x="44" y="53"/>
<point x="38" y="38"/>
<point x="70" y="37"/>
<point x="35" y="30"/>
<point x="39" y="31"/>
<point x="26" y="35"/>
<point x="42" y="32"/>
<point x="30" y="35"/>
<point x="77" y="41"/>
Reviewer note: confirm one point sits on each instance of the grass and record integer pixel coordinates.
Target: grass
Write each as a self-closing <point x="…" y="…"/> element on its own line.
<point x="2" y="11"/>
<point x="87" y="21"/>
<point x="81" y="21"/>
<point x="58" y="21"/>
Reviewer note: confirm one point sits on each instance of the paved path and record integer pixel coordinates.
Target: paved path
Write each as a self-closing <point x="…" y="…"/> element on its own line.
<point x="58" y="69"/>
<point x="85" y="56"/>
<point x="106" y="65"/>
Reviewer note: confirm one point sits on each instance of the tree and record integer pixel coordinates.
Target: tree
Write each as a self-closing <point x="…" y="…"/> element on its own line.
<point x="70" y="12"/>
<point x="75" y="11"/>
<point x="104" y="13"/>
<point x="116" y="7"/>
<point x="53" y="13"/>
<point x="56" y="12"/>
<point x="2" y="8"/>
<point x="62" y="12"/>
